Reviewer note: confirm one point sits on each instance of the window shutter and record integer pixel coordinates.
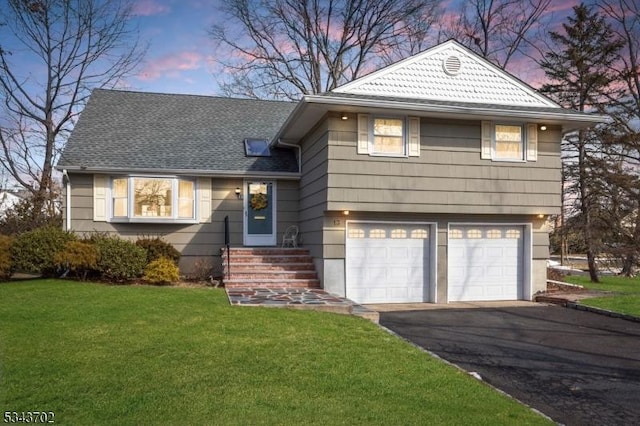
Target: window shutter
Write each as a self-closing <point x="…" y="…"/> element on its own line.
<point x="414" y="137"/>
<point x="100" y="185"/>
<point x="204" y="200"/>
<point x="363" y="133"/>
<point x="485" y="149"/>
<point x="532" y="142"/>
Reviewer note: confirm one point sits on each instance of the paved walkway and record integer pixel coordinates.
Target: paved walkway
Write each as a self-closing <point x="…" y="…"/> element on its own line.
<point x="298" y="298"/>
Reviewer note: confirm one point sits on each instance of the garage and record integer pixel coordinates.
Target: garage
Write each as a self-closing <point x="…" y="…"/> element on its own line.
<point x="389" y="262"/>
<point x="486" y="262"/>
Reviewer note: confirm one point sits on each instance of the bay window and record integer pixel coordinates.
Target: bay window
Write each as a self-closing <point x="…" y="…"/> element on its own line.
<point x="137" y="198"/>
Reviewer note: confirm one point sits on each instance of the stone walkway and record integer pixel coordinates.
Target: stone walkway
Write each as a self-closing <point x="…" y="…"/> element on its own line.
<point x="298" y="298"/>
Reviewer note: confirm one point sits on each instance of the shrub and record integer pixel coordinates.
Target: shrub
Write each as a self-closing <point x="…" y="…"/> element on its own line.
<point x="5" y="257"/>
<point x="161" y="271"/>
<point x="119" y="259"/>
<point x="33" y="251"/>
<point x="157" y="248"/>
<point x="78" y="257"/>
<point x="29" y="214"/>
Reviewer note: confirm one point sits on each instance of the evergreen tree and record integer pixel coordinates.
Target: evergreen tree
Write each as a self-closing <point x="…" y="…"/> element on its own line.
<point x="579" y="67"/>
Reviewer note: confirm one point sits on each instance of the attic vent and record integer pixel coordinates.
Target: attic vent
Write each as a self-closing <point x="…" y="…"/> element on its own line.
<point x="452" y="65"/>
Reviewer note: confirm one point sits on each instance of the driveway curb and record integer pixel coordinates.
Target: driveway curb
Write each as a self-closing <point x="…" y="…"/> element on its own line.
<point x="612" y="314"/>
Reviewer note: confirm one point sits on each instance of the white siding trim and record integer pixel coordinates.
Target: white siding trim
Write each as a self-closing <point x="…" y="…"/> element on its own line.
<point x="414" y="136"/>
<point x="204" y="200"/>
<point x="532" y="142"/>
<point x="363" y="133"/>
<point x="100" y="187"/>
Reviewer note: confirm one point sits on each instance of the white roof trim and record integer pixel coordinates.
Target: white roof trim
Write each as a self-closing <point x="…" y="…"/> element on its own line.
<point x="429" y="80"/>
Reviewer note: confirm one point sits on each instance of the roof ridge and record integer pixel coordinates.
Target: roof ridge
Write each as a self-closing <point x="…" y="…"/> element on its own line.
<point x="140" y="92"/>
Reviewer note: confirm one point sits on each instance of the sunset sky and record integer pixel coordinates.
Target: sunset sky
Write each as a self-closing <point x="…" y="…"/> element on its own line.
<point x="180" y="55"/>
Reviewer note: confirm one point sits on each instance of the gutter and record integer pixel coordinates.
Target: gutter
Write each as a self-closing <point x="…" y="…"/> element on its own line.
<point x="298" y="149"/>
<point x="414" y="106"/>
<point x="181" y="172"/>
<point x="65" y="177"/>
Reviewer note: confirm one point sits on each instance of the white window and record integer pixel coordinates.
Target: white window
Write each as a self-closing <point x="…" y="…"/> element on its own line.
<point x="420" y="234"/>
<point x="356" y="233"/>
<point x="474" y="233"/>
<point x="137" y="198"/>
<point x="509" y="141"/>
<point x="494" y="234"/>
<point x="377" y="233"/>
<point x="388" y="136"/>
<point x="398" y="233"/>
<point x="455" y="234"/>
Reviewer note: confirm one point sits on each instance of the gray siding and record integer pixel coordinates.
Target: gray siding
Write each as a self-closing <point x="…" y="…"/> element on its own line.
<point x="313" y="188"/>
<point x="448" y="177"/>
<point x="200" y="243"/>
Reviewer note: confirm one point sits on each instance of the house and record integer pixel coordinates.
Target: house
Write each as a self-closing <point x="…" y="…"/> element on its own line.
<point x="428" y="180"/>
<point x="10" y="197"/>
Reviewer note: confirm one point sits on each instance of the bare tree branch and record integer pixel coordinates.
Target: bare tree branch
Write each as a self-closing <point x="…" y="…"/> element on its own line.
<point x="68" y="47"/>
<point x="287" y="48"/>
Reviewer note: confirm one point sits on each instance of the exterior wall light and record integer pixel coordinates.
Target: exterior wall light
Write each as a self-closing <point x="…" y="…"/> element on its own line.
<point x="238" y="193"/>
<point x="543" y="128"/>
<point x="344" y="116"/>
<point x="345" y="212"/>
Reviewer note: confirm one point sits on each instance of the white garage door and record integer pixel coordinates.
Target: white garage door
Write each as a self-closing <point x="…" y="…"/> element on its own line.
<point x="485" y="262"/>
<point x="387" y="262"/>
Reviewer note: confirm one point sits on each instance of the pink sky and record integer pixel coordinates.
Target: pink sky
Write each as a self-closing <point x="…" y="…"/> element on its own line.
<point x="179" y="59"/>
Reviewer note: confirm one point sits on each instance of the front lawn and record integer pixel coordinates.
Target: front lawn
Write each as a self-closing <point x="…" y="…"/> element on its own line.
<point x="625" y="297"/>
<point x="98" y="354"/>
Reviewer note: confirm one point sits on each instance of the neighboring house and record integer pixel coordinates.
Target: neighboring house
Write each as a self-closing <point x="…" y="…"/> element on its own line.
<point x="9" y="198"/>
<point x="429" y="180"/>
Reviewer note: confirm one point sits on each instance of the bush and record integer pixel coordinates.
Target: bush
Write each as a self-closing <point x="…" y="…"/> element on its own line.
<point x="34" y="251"/>
<point x="78" y="257"/>
<point x="5" y="257"/>
<point x="161" y="271"/>
<point x="157" y="248"/>
<point x="29" y="214"/>
<point x="119" y="259"/>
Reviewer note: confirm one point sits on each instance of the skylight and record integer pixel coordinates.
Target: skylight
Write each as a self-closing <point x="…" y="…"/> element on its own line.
<point x="256" y="148"/>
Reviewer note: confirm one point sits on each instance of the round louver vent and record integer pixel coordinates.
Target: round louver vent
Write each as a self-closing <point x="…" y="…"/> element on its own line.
<point x="452" y="65"/>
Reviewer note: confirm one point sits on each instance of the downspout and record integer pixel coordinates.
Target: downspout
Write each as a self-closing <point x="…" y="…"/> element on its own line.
<point x="67" y="194"/>
<point x="297" y="147"/>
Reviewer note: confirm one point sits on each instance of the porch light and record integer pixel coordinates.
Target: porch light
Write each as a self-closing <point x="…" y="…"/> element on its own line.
<point x="238" y="192"/>
<point x="345" y="212"/>
<point x="543" y="127"/>
<point x="541" y="216"/>
<point x="344" y="116"/>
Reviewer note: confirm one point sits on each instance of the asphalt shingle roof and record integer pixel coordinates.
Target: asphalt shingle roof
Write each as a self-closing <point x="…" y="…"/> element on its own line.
<point x="135" y="130"/>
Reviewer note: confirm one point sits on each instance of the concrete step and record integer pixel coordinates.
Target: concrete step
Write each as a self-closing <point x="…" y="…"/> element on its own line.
<point x="259" y="267"/>
<point x="273" y="275"/>
<point x="265" y="251"/>
<point x="272" y="283"/>
<point x="272" y="259"/>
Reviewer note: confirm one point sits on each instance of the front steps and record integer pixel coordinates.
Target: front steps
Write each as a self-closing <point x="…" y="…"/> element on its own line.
<point x="269" y="268"/>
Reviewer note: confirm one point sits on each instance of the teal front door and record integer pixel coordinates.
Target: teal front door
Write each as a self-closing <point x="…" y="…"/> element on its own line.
<point x="259" y="213"/>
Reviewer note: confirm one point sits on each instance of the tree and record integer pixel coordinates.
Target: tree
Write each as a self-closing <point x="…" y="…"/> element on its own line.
<point x="580" y="70"/>
<point x="498" y="30"/>
<point x="282" y="49"/>
<point x="70" y="47"/>
<point x="623" y="135"/>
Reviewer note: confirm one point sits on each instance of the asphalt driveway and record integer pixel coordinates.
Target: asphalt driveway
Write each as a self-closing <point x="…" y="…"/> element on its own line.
<point x="576" y="367"/>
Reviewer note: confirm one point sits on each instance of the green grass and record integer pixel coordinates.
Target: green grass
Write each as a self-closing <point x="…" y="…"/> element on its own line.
<point x="624" y="298"/>
<point x="98" y="354"/>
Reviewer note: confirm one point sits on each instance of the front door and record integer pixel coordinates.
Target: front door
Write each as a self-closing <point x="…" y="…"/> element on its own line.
<point x="259" y="213"/>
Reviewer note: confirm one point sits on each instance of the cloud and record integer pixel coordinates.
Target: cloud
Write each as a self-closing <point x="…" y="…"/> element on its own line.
<point x="149" y="8"/>
<point x="171" y="65"/>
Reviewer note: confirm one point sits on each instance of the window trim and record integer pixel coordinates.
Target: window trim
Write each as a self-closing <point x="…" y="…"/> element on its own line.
<point x="405" y="136"/>
<point x="523" y="141"/>
<point x="130" y="218"/>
